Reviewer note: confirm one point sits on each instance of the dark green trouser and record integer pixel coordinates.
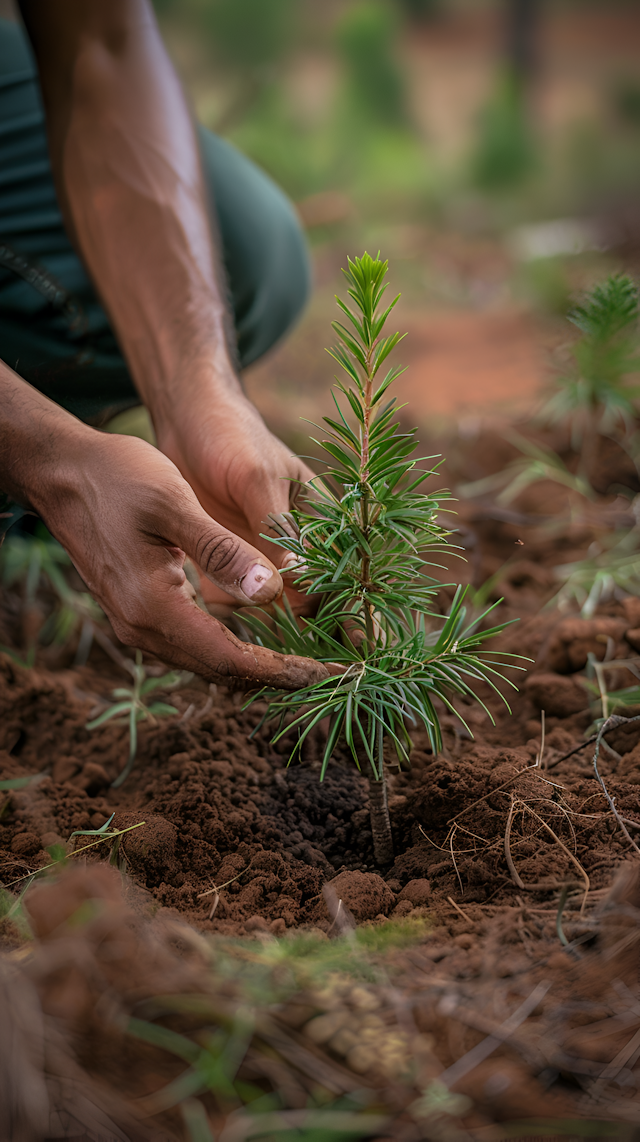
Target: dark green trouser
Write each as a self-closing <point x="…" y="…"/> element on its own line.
<point x="53" y="329"/>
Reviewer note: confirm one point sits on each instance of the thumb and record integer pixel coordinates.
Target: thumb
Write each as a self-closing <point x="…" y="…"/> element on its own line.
<point x="269" y="510"/>
<point x="228" y="561"/>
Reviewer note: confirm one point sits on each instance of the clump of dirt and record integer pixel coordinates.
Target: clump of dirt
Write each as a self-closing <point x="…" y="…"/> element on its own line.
<point x="364" y="894"/>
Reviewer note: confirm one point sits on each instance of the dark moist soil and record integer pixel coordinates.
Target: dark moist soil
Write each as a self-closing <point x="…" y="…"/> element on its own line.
<point x="221" y="807"/>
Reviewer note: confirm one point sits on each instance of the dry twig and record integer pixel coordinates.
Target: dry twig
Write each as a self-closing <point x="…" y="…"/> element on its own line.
<point x="459" y="909"/>
<point x="515" y="876"/>
<point x="611" y="723"/>
<point x="478" y="1054"/>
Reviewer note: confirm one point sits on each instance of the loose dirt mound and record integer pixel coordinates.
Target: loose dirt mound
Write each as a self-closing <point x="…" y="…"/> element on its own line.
<point x="222" y="811"/>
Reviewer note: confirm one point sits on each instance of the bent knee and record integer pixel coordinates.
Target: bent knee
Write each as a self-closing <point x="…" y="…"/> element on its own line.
<point x="281" y="287"/>
<point x="263" y="245"/>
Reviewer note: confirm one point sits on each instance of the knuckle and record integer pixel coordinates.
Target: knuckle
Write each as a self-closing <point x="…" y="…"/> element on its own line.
<point x="217" y="552"/>
<point x="125" y="633"/>
<point x="131" y="623"/>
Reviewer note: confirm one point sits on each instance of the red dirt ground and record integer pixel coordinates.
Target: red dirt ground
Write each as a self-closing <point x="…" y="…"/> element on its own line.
<point x="487" y="845"/>
<point x="220" y="805"/>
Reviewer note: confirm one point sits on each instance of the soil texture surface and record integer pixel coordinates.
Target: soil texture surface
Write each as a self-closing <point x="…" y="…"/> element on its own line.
<point x="236" y="840"/>
<point x="488" y="974"/>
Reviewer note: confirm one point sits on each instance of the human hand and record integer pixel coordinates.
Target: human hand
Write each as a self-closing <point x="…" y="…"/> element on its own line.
<point x="128" y="519"/>
<point x="241" y="474"/>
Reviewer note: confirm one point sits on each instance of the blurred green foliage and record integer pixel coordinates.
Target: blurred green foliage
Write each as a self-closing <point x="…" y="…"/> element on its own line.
<point x="350" y="98"/>
<point x="35" y="564"/>
<point x="544" y="281"/>
<point x="505" y="153"/>
<point x="421" y="11"/>
<point x="364" y="142"/>
<point x="366" y="36"/>
<point x="626" y="98"/>
<point x="606" y="357"/>
<point x="250" y="35"/>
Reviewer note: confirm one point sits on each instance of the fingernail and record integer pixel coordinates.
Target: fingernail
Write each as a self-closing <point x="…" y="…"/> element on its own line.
<point x="259" y="583"/>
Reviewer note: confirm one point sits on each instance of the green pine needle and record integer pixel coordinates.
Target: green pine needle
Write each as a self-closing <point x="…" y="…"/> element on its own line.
<point x="364" y="544"/>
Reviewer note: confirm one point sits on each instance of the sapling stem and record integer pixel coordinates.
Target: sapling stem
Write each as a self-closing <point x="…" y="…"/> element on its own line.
<point x="380" y="823"/>
<point x="378" y="799"/>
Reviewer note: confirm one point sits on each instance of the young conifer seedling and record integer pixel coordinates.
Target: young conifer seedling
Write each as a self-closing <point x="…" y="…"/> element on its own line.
<point x="598" y="395"/>
<point x="362" y="542"/>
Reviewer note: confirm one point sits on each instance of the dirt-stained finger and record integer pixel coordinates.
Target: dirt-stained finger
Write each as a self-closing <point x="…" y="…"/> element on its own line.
<point x="185" y="637"/>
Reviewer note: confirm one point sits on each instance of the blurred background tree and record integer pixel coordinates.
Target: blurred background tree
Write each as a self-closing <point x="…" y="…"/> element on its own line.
<point x="506" y="152"/>
<point x="367" y="35"/>
<point x="249" y="39"/>
<point x="422" y="11"/>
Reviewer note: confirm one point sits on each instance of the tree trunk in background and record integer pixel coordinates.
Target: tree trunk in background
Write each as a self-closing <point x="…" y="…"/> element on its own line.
<point x="522" y="23"/>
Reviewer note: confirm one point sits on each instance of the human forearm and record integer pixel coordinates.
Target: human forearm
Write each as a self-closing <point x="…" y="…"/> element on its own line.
<point x="39" y="443"/>
<point x="129" y="182"/>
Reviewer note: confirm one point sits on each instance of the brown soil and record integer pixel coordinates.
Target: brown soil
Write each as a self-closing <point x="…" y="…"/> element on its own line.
<point x="218" y="806"/>
<point x="239" y="844"/>
<point x="460" y="365"/>
<point x="222" y="808"/>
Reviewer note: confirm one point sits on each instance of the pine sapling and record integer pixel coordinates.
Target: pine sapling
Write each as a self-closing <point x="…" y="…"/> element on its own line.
<point x="598" y="396"/>
<point x="362" y="542"/>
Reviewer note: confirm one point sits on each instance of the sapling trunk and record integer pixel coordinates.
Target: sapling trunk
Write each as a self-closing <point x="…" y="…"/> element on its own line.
<point x="380" y="824"/>
<point x="378" y="800"/>
<point x="590" y="446"/>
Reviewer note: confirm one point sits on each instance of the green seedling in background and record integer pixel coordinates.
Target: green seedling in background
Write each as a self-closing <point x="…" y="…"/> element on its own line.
<point x="506" y="153"/>
<point x="130" y="707"/>
<point x="39" y="560"/>
<point x="609" y="572"/>
<point x="250" y="40"/>
<point x="597" y="399"/>
<point x="362" y="546"/>
<point x="537" y="463"/>
<point x="375" y="92"/>
<point x="597" y="396"/>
